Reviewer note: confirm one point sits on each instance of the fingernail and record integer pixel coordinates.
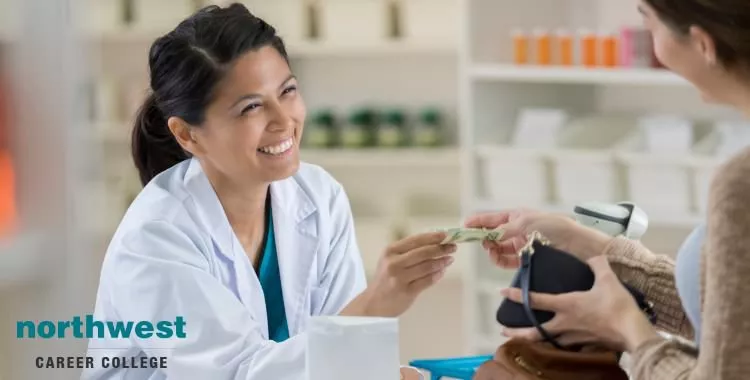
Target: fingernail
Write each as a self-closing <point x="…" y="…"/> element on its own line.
<point x="505" y="291"/>
<point x="450" y="248"/>
<point x="450" y="260"/>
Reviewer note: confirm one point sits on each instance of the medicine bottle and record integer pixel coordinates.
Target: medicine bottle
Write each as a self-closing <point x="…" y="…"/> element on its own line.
<point x="520" y="47"/>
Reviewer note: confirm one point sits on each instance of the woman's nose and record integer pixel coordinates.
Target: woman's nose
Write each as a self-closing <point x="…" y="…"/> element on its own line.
<point x="281" y="120"/>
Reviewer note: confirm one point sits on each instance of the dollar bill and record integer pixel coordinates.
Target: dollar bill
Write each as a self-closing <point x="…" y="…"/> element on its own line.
<point x="468" y="235"/>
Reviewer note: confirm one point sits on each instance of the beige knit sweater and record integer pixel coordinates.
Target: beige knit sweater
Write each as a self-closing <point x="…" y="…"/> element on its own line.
<point x="725" y="290"/>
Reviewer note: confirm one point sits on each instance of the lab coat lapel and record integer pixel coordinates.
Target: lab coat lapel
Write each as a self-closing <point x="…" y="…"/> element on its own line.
<point x="209" y="207"/>
<point x="296" y="232"/>
<point x="216" y="222"/>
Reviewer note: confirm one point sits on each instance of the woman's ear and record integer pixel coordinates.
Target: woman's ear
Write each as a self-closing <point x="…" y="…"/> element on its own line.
<point x="704" y="44"/>
<point x="183" y="133"/>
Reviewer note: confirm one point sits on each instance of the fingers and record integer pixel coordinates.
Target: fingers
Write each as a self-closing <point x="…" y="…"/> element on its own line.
<point x="553" y="327"/>
<point x="424" y="282"/>
<point x="538" y="301"/>
<point x="415" y="241"/>
<point x="509" y="246"/>
<point x="487" y="220"/>
<point x="504" y="253"/>
<point x="422" y="254"/>
<point x="505" y="261"/>
<point x="600" y="265"/>
<point x="426" y="268"/>
<point x="526" y="333"/>
<point x="573" y="338"/>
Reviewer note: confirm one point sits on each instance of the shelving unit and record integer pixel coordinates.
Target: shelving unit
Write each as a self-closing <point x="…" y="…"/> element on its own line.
<point x="341" y="73"/>
<point x="297" y="48"/>
<point x="493" y="91"/>
<point x="574" y="75"/>
<point x="414" y="158"/>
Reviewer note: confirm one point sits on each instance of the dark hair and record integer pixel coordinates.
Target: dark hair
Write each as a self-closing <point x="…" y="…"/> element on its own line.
<point x="185" y="66"/>
<point x="727" y="21"/>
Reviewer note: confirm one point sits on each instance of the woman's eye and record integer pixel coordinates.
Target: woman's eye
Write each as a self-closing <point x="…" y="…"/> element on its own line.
<point x="289" y="90"/>
<point x="250" y="107"/>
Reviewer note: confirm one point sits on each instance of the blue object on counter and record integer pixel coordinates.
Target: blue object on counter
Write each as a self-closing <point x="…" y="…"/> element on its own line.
<point x="462" y="368"/>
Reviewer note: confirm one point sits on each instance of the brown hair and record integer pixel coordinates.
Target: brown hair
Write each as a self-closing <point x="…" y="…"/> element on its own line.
<point x="727" y="21"/>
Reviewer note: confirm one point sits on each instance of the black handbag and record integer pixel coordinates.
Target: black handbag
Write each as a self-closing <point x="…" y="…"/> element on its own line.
<point x="545" y="269"/>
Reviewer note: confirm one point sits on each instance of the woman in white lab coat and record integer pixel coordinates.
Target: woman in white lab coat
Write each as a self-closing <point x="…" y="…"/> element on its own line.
<point x="231" y="234"/>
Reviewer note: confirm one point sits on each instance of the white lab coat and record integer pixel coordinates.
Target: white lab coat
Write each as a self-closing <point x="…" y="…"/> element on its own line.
<point x="175" y="254"/>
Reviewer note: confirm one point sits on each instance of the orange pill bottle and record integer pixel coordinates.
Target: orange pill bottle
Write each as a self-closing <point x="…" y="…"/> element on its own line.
<point x="520" y="48"/>
<point x="565" y="48"/>
<point x="610" y="49"/>
<point x="589" y="53"/>
<point x="543" y="45"/>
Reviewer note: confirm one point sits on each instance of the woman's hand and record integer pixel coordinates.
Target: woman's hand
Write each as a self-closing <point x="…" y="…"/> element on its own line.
<point x="407" y="268"/>
<point x="562" y="232"/>
<point x="606" y="314"/>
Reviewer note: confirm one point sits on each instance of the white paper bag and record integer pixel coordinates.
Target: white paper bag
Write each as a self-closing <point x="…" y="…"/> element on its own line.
<point x="346" y="348"/>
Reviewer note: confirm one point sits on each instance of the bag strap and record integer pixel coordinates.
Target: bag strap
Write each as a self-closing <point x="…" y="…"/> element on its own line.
<point x="525" y="269"/>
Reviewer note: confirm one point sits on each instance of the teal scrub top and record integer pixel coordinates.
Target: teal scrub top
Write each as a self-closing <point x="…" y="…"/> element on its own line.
<point x="270" y="281"/>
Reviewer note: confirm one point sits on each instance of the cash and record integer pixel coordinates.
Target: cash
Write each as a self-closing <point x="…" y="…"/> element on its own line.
<point x="467" y="235"/>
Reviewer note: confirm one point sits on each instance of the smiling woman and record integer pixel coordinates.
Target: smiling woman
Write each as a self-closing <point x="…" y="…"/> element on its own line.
<point x="232" y="232"/>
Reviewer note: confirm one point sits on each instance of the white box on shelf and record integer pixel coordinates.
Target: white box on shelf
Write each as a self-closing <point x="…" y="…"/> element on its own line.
<point x="583" y="163"/>
<point x="288" y="17"/>
<point x="431" y="20"/>
<point x="513" y="176"/>
<point x="162" y="15"/>
<point x="537" y="128"/>
<point x="667" y="134"/>
<point x="353" y="22"/>
<point x="659" y="183"/>
<point x="584" y="176"/>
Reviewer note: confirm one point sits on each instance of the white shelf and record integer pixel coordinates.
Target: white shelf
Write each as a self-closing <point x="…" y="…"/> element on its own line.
<point x="299" y="49"/>
<point x="574" y="75"/>
<point x="382" y="157"/>
<point x="320" y="49"/>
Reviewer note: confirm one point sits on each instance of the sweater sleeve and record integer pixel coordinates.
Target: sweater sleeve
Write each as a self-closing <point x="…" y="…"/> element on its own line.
<point x="725" y="332"/>
<point x="653" y="275"/>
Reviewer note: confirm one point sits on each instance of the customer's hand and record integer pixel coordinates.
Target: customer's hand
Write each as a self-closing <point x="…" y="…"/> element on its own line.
<point x="605" y="314"/>
<point x="406" y="269"/>
<point x="562" y="232"/>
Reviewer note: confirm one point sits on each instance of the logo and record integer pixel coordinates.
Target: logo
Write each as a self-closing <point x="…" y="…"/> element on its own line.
<point x="89" y="328"/>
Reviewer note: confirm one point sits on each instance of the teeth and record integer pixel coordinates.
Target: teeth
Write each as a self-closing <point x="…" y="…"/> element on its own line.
<point x="278" y="149"/>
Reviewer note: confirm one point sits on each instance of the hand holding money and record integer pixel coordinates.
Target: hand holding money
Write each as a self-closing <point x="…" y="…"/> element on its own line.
<point x="468" y="235"/>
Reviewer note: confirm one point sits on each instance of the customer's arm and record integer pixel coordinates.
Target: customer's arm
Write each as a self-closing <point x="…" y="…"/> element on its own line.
<point x="653" y="275"/>
<point x="725" y="332"/>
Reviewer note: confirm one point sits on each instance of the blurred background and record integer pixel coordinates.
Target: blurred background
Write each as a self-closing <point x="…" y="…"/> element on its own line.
<point x="426" y="110"/>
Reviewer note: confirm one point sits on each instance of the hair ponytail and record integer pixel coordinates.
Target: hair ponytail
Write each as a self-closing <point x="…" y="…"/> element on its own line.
<point x="154" y="147"/>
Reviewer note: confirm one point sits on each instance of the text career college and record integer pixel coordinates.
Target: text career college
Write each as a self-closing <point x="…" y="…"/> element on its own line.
<point x="89" y="328"/>
<point x="79" y="362"/>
